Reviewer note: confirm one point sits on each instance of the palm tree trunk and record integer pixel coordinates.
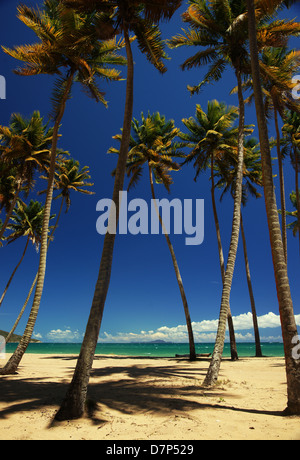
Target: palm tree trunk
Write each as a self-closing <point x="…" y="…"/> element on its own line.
<point x="13" y="363"/>
<point x="281" y="181"/>
<point x="22" y="310"/>
<point x="14" y="272"/>
<point x="10" y="211"/>
<point x="213" y="370"/>
<point x="258" y="352"/>
<point x="34" y="281"/>
<point x="233" y="348"/>
<point x="178" y="277"/>
<point x="288" y="324"/>
<point x="73" y="404"/>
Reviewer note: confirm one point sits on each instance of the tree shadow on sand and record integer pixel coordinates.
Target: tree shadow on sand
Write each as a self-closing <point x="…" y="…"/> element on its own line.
<point x="133" y="389"/>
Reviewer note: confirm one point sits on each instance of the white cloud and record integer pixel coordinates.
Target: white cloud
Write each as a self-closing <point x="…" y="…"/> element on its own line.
<point x="57" y="335"/>
<point x="37" y="336"/>
<point x="204" y="331"/>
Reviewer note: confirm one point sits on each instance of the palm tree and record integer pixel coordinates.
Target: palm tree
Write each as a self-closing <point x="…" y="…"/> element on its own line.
<point x="291" y="140"/>
<point x="278" y="65"/>
<point x="226" y="172"/>
<point x="68" y="47"/>
<point x="26" y="221"/>
<point x="210" y="136"/>
<point x="288" y="323"/>
<point x="220" y="27"/>
<point x="152" y="144"/>
<point x="294" y="226"/>
<point x="140" y="18"/>
<point x="69" y="178"/>
<point x="24" y="146"/>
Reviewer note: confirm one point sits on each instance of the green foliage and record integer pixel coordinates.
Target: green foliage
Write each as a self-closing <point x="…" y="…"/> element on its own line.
<point x="152" y="142"/>
<point x="27" y="220"/>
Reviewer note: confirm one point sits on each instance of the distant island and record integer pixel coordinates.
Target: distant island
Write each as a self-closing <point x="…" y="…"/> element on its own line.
<point x="15" y="338"/>
<point x="159" y="341"/>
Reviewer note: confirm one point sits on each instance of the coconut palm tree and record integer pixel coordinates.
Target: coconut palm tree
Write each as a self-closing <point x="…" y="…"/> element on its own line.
<point x="141" y="18"/>
<point x="211" y="135"/>
<point x="225" y="171"/>
<point x="69" y="47"/>
<point x="278" y="66"/>
<point x="291" y="140"/>
<point x="220" y="27"/>
<point x="288" y="323"/>
<point x="24" y="146"/>
<point x="294" y="226"/>
<point x="152" y="145"/>
<point x="25" y="221"/>
<point x="68" y="178"/>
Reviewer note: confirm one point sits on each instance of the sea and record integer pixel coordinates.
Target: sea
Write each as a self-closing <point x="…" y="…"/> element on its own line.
<point x="150" y="350"/>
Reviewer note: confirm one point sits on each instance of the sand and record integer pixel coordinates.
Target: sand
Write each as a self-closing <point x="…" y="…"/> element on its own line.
<point x="149" y="399"/>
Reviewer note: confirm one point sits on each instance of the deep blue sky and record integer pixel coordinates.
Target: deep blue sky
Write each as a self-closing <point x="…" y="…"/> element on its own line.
<point x="143" y="294"/>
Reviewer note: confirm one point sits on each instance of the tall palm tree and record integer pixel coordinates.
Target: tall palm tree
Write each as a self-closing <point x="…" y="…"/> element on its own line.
<point x="278" y="66"/>
<point x="288" y="323"/>
<point x="294" y="226"/>
<point x="24" y="146"/>
<point x="68" y="47"/>
<point x="252" y="177"/>
<point x="68" y="178"/>
<point x="140" y="18"/>
<point x="211" y="135"/>
<point x="220" y="27"/>
<point x="25" y="221"/>
<point x="152" y="145"/>
<point x="291" y="140"/>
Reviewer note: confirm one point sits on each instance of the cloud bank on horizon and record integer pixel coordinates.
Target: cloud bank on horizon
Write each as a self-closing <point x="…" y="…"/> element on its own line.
<point x="204" y="331"/>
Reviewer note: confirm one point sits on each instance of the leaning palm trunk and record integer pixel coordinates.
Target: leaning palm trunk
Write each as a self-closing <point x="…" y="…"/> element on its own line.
<point x="7" y="339"/>
<point x="258" y="352"/>
<point x="288" y="324"/>
<point x="73" y="404"/>
<point x="281" y="181"/>
<point x="13" y="363"/>
<point x="34" y="282"/>
<point x="14" y="272"/>
<point x="178" y="277"/>
<point x="233" y="348"/>
<point x="213" y="370"/>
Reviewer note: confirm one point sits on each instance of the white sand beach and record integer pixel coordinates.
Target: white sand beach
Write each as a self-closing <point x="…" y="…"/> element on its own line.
<point x="149" y="399"/>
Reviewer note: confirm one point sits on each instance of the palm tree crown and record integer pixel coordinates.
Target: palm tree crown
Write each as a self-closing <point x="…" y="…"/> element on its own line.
<point x="68" y="44"/>
<point x="152" y="143"/>
<point x="27" y="221"/>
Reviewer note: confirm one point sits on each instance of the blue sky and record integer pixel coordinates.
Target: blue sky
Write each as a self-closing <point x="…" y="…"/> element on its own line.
<point x="143" y="302"/>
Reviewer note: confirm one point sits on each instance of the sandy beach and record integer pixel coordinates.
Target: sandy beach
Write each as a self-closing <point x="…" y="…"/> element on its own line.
<point x="149" y="399"/>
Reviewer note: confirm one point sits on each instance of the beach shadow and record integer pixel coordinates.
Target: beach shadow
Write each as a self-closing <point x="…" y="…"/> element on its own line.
<point x="132" y="389"/>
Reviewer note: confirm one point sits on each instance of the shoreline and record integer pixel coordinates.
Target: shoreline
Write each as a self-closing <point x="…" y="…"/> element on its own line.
<point x="148" y="399"/>
<point x="147" y="349"/>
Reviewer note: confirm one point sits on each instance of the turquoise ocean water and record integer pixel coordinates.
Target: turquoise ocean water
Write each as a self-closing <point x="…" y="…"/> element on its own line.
<point x="154" y="350"/>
